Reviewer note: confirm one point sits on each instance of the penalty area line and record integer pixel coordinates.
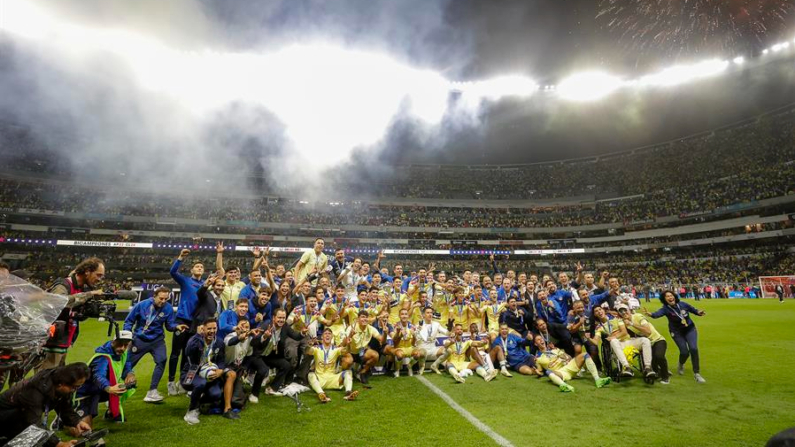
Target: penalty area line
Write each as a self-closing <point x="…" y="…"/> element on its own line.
<point x="466" y="414"/>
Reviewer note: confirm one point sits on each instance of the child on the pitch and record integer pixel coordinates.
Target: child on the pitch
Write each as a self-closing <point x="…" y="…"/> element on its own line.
<point x="325" y="375"/>
<point x="457" y="363"/>
<point x="561" y="367"/>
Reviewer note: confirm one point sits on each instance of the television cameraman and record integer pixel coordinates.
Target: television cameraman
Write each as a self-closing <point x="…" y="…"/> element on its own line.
<point x="81" y="285"/>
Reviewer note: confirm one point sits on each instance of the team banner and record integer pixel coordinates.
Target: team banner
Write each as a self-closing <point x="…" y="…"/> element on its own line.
<point x="557" y="251"/>
<point x="104" y="244"/>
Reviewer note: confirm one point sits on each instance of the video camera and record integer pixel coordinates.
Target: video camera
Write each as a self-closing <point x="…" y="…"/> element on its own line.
<point x="102" y="306"/>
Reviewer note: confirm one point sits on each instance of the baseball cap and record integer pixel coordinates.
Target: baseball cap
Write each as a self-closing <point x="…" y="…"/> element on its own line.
<point x="621" y="306"/>
<point x="125" y="336"/>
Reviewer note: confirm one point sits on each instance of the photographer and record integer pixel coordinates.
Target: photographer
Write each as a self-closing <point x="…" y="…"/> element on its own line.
<point x="26" y="403"/>
<point x="112" y="380"/>
<point x="81" y="285"/>
<point x="150" y="318"/>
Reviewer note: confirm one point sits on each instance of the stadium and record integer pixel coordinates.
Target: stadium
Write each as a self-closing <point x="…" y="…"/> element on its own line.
<point x="397" y="223"/>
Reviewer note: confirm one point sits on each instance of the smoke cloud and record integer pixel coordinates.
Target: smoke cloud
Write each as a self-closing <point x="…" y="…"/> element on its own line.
<point x="208" y="93"/>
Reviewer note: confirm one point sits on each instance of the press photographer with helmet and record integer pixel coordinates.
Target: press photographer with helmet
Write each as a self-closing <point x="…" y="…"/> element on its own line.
<point x="81" y="285"/>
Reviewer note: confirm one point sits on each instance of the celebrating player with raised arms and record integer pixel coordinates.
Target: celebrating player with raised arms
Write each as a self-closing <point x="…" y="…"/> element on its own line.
<point x="458" y="362"/>
<point x="325" y="375"/>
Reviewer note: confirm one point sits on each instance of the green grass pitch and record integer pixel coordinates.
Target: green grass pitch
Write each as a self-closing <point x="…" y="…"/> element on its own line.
<point x="747" y="354"/>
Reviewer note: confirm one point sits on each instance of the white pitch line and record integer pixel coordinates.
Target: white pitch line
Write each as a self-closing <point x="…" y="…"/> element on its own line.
<point x="467" y="415"/>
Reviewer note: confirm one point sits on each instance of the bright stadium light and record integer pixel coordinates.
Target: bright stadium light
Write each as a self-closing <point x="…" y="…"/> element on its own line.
<point x="739" y="60"/>
<point x="588" y="86"/>
<point x="500" y="87"/>
<point x="680" y="74"/>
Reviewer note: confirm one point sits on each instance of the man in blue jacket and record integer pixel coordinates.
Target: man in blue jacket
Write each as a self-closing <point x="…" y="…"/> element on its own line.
<point x="148" y="320"/>
<point x="205" y="373"/>
<point x="259" y="309"/>
<point x="228" y="320"/>
<point x="112" y="380"/>
<point x="188" y="286"/>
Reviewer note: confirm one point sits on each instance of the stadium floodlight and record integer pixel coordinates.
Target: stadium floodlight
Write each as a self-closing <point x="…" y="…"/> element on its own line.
<point x="588" y="86"/>
<point x="739" y="60"/>
<point x="497" y="88"/>
<point x="680" y="74"/>
<point x="765" y="51"/>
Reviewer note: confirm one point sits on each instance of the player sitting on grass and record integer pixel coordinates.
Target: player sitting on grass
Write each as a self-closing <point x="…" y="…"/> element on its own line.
<point x="560" y="367"/>
<point x="325" y="375"/>
<point x="457" y="363"/>
<point x="509" y="350"/>
<point x="405" y="352"/>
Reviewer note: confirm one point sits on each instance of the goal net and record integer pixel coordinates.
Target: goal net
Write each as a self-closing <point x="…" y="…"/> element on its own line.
<point x="768" y="285"/>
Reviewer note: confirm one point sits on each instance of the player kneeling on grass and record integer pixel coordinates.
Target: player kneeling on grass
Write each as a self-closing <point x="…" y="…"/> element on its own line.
<point x="509" y="350"/>
<point x="205" y="373"/>
<point x="561" y="367"/>
<point x="458" y="363"/>
<point x="325" y="376"/>
<point x="112" y="381"/>
<point x="360" y="335"/>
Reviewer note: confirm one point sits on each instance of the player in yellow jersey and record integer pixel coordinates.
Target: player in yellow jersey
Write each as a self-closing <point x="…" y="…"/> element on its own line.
<point x="359" y="336"/>
<point x="307" y="316"/>
<point x="614" y="331"/>
<point x="405" y="338"/>
<point x="462" y="311"/>
<point x="491" y="311"/>
<point x="396" y="301"/>
<point x="459" y="364"/>
<point x="640" y="326"/>
<point x="561" y="367"/>
<point x="442" y="298"/>
<point x="325" y="375"/>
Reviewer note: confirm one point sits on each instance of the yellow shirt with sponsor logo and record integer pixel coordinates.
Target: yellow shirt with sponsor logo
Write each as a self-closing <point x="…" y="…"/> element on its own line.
<point x="326" y="360"/>
<point x="640" y="320"/>
<point x="491" y="315"/>
<point x="610" y="327"/>
<point x="553" y="360"/>
<point x="360" y="338"/>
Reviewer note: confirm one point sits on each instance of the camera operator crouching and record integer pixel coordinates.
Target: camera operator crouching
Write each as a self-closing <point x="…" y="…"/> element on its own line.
<point x="81" y="285"/>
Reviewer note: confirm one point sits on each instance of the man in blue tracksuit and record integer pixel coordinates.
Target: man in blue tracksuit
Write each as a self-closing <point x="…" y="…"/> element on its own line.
<point x="259" y="309"/>
<point x="149" y="318"/>
<point x="228" y="320"/>
<point x="188" y="286"/>
<point x="205" y="373"/>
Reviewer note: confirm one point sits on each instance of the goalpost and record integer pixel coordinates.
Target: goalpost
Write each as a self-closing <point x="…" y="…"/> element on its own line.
<point x="768" y="285"/>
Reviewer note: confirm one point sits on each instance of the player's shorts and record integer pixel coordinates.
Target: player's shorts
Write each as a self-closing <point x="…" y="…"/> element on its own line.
<point x="330" y="381"/>
<point x="529" y="362"/>
<point x="430" y="351"/>
<point x="406" y="350"/>
<point x="460" y="366"/>
<point x="568" y="371"/>
<point x="358" y="356"/>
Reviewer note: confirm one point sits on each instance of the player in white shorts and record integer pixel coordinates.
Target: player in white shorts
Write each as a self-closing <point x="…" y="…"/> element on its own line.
<point x="427" y="333"/>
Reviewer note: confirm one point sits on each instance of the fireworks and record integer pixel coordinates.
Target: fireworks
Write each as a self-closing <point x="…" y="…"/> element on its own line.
<point x="687" y="27"/>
